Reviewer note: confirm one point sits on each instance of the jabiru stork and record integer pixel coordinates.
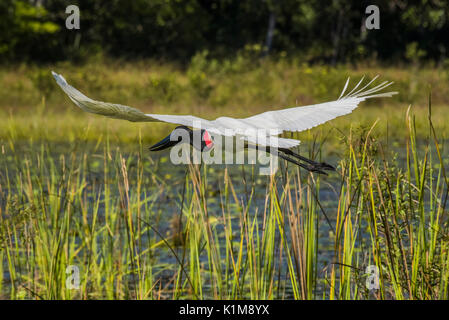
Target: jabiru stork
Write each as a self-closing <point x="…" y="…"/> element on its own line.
<point x="293" y="119"/>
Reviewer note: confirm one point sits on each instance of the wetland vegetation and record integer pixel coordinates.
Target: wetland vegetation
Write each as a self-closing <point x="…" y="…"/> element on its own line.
<point x="81" y="190"/>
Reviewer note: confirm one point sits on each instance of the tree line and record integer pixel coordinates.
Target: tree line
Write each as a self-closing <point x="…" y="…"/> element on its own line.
<point x="329" y="31"/>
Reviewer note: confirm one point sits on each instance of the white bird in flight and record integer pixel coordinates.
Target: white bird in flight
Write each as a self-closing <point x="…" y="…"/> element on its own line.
<point x="273" y="122"/>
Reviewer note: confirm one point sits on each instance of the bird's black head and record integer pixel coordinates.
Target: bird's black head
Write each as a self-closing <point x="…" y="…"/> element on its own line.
<point x="183" y="134"/>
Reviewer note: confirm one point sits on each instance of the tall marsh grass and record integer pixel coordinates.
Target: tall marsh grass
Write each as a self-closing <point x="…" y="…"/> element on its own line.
<point x="139" y="228"/>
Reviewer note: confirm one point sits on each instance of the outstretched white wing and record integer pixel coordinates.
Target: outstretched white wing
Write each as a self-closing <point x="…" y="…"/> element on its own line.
<point x="303" y="118"/>
<point x="112" y="110"/>
<point x="274" y="122"/>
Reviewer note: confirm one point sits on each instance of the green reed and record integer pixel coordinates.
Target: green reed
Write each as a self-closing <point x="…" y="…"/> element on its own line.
<point x="138" y="230"/>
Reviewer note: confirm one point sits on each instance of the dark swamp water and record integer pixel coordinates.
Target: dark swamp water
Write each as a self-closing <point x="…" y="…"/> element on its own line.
<point x="46" y="160"/>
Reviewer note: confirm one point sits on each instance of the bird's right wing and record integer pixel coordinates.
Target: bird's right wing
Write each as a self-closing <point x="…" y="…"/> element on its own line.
<point x="119" y="111"/>
<point x="107" y="109"/>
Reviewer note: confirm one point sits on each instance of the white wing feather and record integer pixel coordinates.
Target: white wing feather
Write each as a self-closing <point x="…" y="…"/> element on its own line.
<point x="303" y="118"/>
<point x="275" y="122"/>
<point x="119" y="111"/>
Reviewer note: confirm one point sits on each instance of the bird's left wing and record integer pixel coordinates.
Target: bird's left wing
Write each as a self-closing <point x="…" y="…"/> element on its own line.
<point x="303" y="118"/>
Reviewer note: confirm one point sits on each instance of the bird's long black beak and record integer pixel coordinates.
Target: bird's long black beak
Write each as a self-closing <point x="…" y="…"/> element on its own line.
<point x="163" y="144"/>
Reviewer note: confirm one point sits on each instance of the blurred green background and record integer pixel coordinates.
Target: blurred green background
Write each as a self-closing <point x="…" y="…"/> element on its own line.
<point x="315" y="30"/>
<point x="213" y="58"/>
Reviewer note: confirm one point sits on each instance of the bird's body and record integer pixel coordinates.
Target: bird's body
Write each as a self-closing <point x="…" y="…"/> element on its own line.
<point x="269" y="124"/>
